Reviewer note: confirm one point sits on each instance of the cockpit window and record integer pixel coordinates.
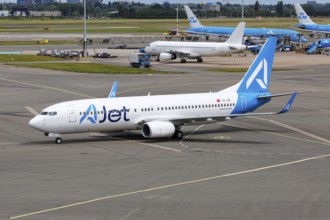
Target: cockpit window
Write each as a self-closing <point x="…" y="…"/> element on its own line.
<point x="48" y="113"/>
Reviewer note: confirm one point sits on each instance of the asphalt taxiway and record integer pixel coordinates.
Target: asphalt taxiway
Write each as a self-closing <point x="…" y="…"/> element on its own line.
<point x="274" y="167"/>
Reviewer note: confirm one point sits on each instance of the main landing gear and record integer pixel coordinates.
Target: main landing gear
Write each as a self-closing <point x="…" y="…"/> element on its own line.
<point x="177" y="134"/>
<point x="183" y="60"/>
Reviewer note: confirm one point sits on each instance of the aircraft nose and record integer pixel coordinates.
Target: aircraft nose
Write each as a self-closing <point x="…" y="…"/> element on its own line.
<point x="36" y="123"/>
<point x="147" y="49"/>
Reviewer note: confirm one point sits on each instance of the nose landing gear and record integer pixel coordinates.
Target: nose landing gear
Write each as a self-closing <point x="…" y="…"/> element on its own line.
<point x="58" y="140"/>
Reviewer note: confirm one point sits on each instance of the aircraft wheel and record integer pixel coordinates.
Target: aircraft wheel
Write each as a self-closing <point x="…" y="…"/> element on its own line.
<point x="58" y="140"/>
<point x="199" y="60"/>
<point x="177" y="134"/>
<point x="183" y="61"/>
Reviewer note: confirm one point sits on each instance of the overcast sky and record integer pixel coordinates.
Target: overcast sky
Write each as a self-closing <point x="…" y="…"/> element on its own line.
<point x="222" y="1"/>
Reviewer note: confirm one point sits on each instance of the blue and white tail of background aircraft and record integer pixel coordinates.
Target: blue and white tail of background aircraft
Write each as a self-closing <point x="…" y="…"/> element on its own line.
<point x="196" y="27"/>
<point x="113" y="91"/>
<point x="305" y="23"/>
<point x="163" y="116"/>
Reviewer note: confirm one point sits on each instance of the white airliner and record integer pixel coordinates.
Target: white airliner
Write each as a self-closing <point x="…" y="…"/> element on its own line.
<point x="163" y="116"/>
<point x="169" y="50"/>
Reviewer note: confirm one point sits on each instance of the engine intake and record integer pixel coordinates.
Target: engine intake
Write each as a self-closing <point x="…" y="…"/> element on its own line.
<point x="158" y="129"/>
<point x="167" y="56"/>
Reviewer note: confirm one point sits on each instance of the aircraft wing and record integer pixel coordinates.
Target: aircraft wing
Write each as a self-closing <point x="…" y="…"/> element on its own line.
<point x="184" y="53"/>
<point x="211" y="118"/>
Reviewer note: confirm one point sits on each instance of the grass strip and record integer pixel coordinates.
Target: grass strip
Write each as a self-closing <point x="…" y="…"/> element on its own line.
<point x="5" y="58"/>
<point x="94" y="68"/>
<point x="36" y="43"/>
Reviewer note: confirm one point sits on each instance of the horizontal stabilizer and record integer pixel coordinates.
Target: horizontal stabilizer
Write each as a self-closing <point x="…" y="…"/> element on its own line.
<point x="282" y="94"/>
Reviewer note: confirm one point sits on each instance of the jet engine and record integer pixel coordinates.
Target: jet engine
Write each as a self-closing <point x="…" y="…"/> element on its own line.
<point x="158" y="129"/>
<point x="167" y="56"/>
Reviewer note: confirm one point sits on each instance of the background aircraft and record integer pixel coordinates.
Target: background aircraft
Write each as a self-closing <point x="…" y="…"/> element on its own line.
<point x="197" y="28"/>
<point x="169" y="50"/>
<point x="318" y="46"/>
<point x="305" y="23"/>
<point x="163" y="116"/>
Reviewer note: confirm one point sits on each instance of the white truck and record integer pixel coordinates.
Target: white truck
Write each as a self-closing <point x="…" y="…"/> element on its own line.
<point x="139" y="60"/>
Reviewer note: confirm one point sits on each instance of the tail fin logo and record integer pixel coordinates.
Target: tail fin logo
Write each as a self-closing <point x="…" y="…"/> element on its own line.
<point x="302" y="15"/>
<point x="90" y="114"/>
<point x="262" y="82"/>
<point x="192" y="20"/>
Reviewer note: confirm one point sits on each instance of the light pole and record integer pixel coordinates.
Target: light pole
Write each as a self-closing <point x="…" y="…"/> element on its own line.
<point x="242" y="10"/>
<point x="85" y="38"/>
<point x="177" y="19"/>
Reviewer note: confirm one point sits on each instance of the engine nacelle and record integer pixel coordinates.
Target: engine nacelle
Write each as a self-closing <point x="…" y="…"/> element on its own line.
<point x="167" y="56"/>
<point x="158" y="129"/>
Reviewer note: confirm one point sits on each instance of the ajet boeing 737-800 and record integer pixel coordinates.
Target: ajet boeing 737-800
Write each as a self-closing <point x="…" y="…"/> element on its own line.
<point x="306" y="24"/>
<point x="163" y="116"/>
<point x="169" y="50"/>
<point x="197" y="28"/>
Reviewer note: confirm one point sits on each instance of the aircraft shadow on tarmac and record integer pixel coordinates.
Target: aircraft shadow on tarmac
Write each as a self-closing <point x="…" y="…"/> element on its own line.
<point x="135" y="136"/>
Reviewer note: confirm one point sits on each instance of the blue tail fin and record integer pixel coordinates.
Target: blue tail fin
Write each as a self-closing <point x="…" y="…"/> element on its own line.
<point x="112" y="93"/>
<point x="257" y="78"/>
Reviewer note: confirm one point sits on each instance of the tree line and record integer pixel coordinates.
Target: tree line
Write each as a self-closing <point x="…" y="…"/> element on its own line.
<point x="137" y="10"/>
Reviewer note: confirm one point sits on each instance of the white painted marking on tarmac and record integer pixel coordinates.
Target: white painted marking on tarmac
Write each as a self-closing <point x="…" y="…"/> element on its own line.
<point x="159" y="146"/>
<point x="149" y="144"/>
<point x="294" y="129"/>
<point x="130" y="213"/>
<point x="186" y="137"/>
<point x="273" y="133"/>
<point x="46" y="87"/>
<point x="171" y="186"/>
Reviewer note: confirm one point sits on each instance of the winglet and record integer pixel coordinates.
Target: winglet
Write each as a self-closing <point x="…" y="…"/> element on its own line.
<point x="288" y="105"/>
<point x="113" y="91"/>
